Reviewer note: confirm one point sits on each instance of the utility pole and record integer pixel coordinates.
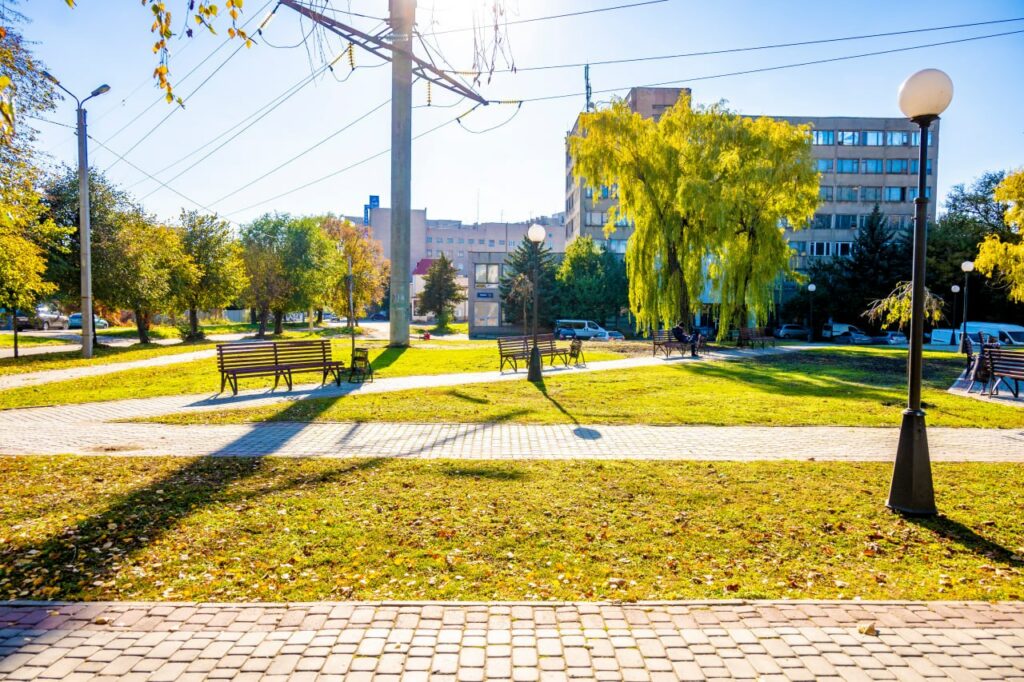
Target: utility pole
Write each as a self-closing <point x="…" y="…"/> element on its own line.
<point x="403" y="13"/>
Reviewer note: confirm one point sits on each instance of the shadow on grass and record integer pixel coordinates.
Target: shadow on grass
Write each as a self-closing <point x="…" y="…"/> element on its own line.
<point x="85" y="555"/>
<point x="387" y="357"/>
<point x="968" y="538"/>
<point x="480" y="471"/>
<point x="468" y="398"/>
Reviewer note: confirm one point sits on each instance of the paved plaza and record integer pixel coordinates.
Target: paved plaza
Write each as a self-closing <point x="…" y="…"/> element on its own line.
<point x="767" y="641"/>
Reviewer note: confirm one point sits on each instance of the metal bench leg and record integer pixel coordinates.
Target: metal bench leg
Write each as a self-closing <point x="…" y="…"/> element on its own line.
<point x="223" y="379"/>
<point x="233" y="380"/>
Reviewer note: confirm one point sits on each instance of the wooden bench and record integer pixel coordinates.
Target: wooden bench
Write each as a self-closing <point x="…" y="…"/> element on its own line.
<point x="751" y="335"/>
<point x="277" y="359"/>
<point x="1005" y="366"/>
<point x="663" y="340"/>
<point x="513" y="349"/>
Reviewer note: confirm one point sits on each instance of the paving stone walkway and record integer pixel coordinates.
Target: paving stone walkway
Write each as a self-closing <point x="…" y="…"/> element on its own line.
<point x="763" y="640"/>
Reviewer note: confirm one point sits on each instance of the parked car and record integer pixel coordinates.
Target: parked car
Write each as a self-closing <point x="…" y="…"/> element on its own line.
<point x="832" y="329"/>
<point x="75" y="321"/>
<point x="44" y="317"/>
<point x="381" y="316"/>
<point x="577" y="329"/>
<point x="1006" y="334"/>
<point x="893" y="338"/>
<point x="852" y="336"/>
<point x="793" y="331"/>
<point x="608" y="336"/>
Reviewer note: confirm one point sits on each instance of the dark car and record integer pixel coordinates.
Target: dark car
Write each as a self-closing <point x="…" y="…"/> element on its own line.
<point x="381" y="316"/>
<point x="793" y="331"/>
<point x="43" y="317"/>
<point x="852" y="336"/>
<point x="75" y="321"/>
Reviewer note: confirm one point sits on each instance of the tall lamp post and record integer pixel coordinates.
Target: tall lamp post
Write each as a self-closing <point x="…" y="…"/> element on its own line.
<point x="956" y="292"/>
<point x="536" y="235"/>
<point x="811" y="288"/>
<point x="351" y="305"/>
<point x="84" y="229"/>
<point x="968" y="267"/>
<point x="922" y="97"/>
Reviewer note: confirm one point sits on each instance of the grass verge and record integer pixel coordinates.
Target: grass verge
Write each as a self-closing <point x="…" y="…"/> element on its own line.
<point x="847" y="387"/>
<point x="103" y="355"/>
<point x="90" y="528"/>
<point x="24" y="340"/>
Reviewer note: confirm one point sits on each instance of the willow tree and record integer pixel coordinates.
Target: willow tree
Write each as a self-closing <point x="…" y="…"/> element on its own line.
<point x="708" y="191"/>
<point x="1002" y="258"/>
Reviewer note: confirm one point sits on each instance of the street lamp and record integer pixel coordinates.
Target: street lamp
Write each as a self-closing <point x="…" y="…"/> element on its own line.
<point x="968" y="267"/>
<point x="536" y="235"/>
<point x="812" y="287"/>
<point x="351" y="305"/>
<point x="922" y="97"/>
<point x="84" y="229"/>
<point x="956" y="291"/>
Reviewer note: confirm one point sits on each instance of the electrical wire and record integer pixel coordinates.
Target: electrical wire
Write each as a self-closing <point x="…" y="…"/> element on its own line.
<point x="734" y="50"/>
<point x="304" y="152"/>
<point x="554" y="16"/>
<point x="519" y="106"/>
<point x="766" y="68"/>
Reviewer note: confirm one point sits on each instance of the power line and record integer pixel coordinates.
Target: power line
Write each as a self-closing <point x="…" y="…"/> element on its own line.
<point x="554" y="16"/>
<point x="770" y="68"/>
<point x="350" y="166"/>
<point x="304" y="152"/>
<point x="734" y="50"/>
<point x="515" y="113"/>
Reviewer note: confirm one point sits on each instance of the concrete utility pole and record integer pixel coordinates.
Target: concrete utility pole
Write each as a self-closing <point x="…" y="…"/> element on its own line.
<point x="403" y="13"/>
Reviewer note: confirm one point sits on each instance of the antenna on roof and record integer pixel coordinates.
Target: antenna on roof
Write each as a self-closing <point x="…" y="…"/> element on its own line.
<point x="586" y="79"/>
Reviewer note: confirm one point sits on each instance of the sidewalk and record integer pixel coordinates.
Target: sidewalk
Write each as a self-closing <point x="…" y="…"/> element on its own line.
<point x="765" y="640"/>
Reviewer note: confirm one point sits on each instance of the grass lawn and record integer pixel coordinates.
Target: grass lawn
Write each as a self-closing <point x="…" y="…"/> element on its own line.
<point x="201" y="376"/>
<point x="277" y="529"/>
<point x="103" y="355"/>
<point x="845" y="387"/>
<point x="452" y="328"/>
<point x="7" y="341"/>
<point x="157" y="331"/>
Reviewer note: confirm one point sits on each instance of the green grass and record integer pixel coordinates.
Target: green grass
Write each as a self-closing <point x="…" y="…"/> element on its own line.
<point x="452" y="328"/>
<point x="7" y="341"/>
<point x="281" y="529"/>
<point x="846" y="387"/>
<point x="103" y="355"/>
<point x="201" y="376"/>
<point x="157" y="331"/>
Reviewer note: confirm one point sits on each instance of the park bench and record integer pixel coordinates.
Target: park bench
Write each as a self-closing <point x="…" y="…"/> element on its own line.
<point x="1005" y="366"/>
<point x="277" y="359"/>
<point x="751" y="335"/>
<point x="663" y="340"/>
<point x="513" y="349"/>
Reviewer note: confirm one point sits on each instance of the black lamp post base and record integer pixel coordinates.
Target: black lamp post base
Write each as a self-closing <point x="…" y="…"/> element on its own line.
<point x="911" y="493"/>
<point x="533" y="374"/>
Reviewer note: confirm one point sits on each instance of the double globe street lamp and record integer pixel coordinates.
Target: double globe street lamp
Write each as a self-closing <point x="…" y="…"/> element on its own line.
<point x="922" y="98"/>
<point x="536" y="235"/>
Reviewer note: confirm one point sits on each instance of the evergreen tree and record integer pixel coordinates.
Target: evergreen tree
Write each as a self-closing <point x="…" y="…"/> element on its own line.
<point x="530" y="259"/>
<point x="441" y="292"/>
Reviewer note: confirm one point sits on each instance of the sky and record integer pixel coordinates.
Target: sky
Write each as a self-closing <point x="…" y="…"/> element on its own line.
<point x="500" y="162"/>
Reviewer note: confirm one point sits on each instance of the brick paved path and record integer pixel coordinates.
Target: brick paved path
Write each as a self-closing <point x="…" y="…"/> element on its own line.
<point x="559" y="641"/>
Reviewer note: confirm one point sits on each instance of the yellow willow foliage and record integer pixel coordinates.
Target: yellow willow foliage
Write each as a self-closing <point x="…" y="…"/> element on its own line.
<point x="1004" y="260"/>
<point x="707" y="191"/>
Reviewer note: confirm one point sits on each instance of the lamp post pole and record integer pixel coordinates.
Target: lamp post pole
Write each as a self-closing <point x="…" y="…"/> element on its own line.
<point x="811" y="288"/>
<point x="956" y="292"/>
<point x="536" y="235"/>
<point x="922" y="97"/>
<point x="968" y="267"/>
<point x="84" y="228"/>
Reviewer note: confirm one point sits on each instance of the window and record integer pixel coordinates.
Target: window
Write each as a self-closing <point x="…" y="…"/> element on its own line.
<point x="897" y="138"/>
<point x="490" y="242"/>
<point x="870" y="193"/>
<point x="462" y="254"/>
<point x="450" y="240"/>
<point x="470" y="241"/>
<point x="846" y="165"/>
<point x="604" y="192"/>
<point x="822" y="221"/>
<point x="799" y="247"/>
<point x="594" y="218"/>
<point x="825" y="193"/>
<point x="846" y="222"/>
<point x="824" y="137"/>
<point x="872" y="166"/>
<point x="848" y="137"/>
<point x="820" y="248"/>
<point x="843" y="248"/>
<point x="896" y="166"/>
<point x="823" y="165"/>
<point x="588" y="192"/>
<point x="486" y="313"/>
<point x="487" y="275"/>
<point x="895" y="193"/>
<point x="430" y="239"/>
<point x="846" y="193"/>
<point x="915" y="138"/>
<point x="872" y="138"/>
<point x="501" y="242"/>
<point x="461" y="240"/>
<point x="429" y="253"/>
<point x="912" y="193"/>
<point x="915" y="164"/>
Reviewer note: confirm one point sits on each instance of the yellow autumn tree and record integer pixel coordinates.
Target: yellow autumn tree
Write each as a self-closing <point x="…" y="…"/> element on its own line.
<point x="1003" y="259"/>
<point x="708" y="191"/>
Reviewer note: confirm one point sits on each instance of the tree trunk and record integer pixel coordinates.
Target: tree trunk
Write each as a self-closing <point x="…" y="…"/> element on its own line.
<point x="309" y="316"/>
<point x="319" y="315"/>
<point x="253" y="316"/>
<point x="193" y="323"/>
<point x="261" y="333"/>
<point x="142" y="324"/>
<point x="278" y="322"/>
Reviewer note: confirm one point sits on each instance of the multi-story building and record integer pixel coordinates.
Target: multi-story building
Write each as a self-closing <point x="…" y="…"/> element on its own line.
<point x="863" y="162"/>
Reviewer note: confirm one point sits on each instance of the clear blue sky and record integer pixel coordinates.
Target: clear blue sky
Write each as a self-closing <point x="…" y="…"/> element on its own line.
<point x="516" y="170"/>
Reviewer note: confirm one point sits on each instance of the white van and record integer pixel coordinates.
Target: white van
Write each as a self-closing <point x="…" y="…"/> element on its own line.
<point x="833" y="329"/>
<point x="578" y="329"/>
<point x="1006" y="334"/>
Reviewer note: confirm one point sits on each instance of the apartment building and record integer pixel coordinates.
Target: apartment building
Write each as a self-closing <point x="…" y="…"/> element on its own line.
<point x="862" y="161"/>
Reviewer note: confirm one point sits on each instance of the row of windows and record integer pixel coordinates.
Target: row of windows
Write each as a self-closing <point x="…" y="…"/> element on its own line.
<point x="819" y="249"/>
<point x="868" y="138"/>
<point x="869" y="194"/>
<point x="872" y="166"/>
<point x="451" y="240"/>
<point x="441" y="252"/>
<point x="845" y="221"/>
<point x="604" y="193"/>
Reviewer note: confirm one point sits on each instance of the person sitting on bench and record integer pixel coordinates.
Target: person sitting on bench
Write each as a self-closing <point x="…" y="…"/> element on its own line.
<point x="682" y="337"/>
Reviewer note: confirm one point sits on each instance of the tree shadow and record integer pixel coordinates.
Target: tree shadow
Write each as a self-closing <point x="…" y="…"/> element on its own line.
<point x="479" y="471"/>
<point x="387" y="357"/>
<point x="947" y="528"/>
<point x="543" y="388"/>
<point x="455" y="393"/>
